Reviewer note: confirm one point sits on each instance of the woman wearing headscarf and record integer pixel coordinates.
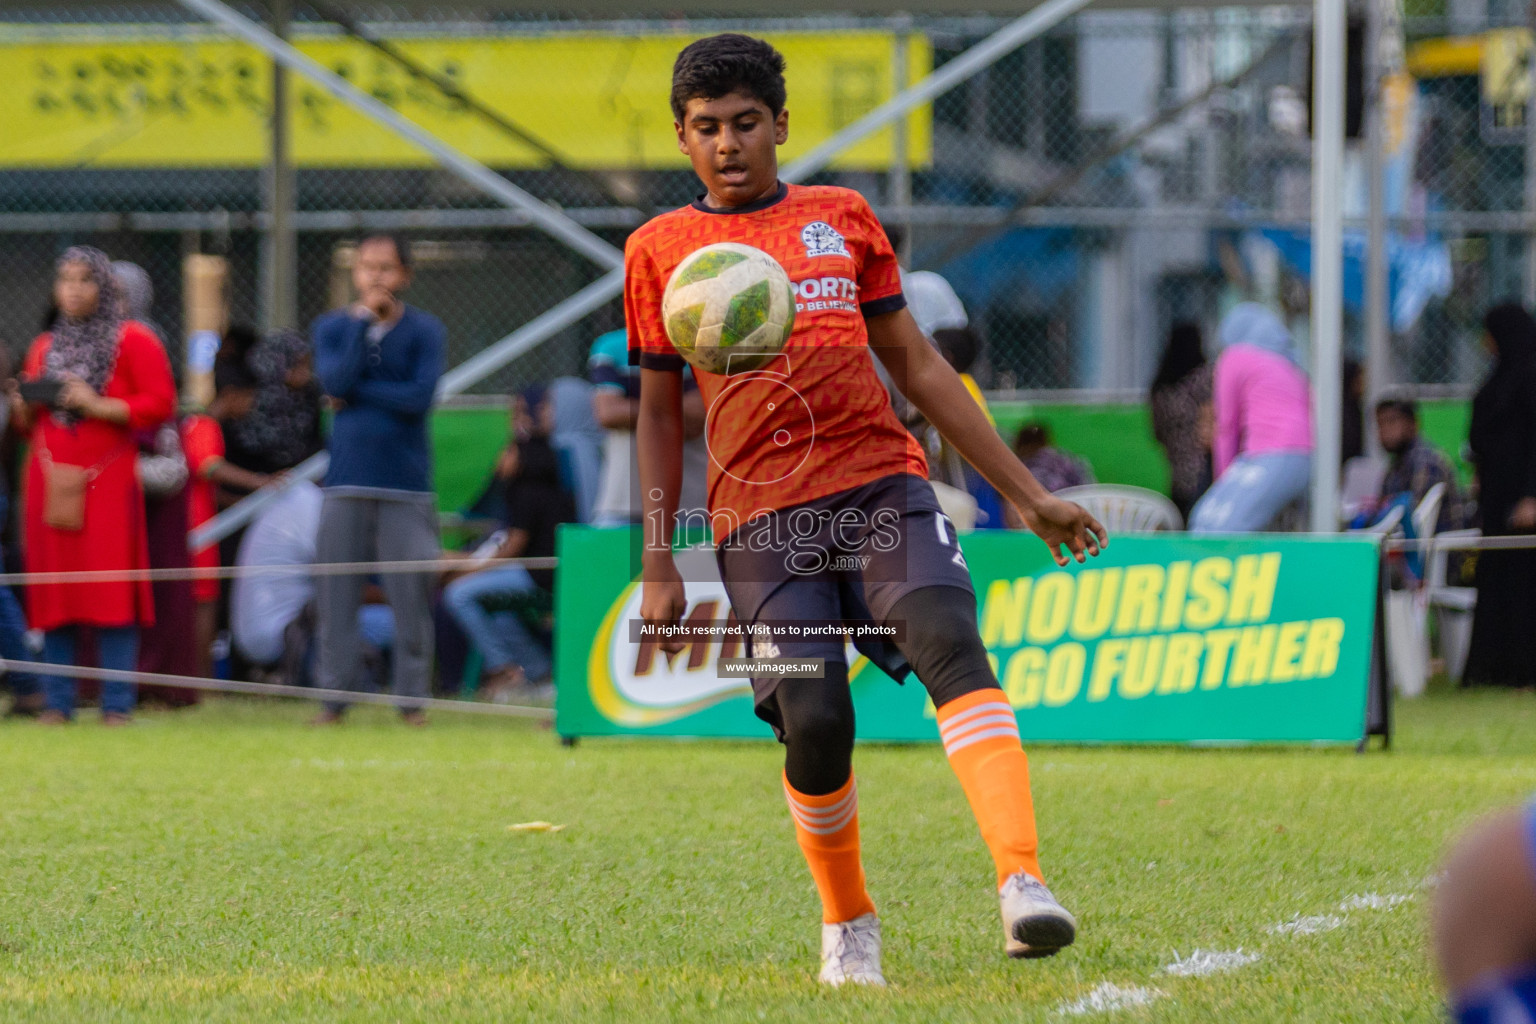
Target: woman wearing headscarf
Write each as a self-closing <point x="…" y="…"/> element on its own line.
<point x="1261" y="446"/>
<point x="1181" y="409"/>
<point x="136" y="295"/>
<point x="83" y="506"/>
<point x="169" y="647"/>
<point x="282" y="428"/>
<point x="1503" y="443"/>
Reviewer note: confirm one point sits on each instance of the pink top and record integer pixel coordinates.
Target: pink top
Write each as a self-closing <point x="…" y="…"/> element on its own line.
<point x="1263" y="404"/>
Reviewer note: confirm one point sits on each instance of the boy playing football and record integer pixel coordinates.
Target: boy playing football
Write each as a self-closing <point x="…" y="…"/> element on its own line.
<point x="819" y="500"/>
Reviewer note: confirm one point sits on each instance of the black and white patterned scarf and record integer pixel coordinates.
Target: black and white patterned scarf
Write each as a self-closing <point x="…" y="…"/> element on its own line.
<point x="282" y="422"/>
<point x="87" y="347"/>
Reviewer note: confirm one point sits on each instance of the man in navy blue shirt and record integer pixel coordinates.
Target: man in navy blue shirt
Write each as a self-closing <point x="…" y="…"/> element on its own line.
<point x="379" y="361"/>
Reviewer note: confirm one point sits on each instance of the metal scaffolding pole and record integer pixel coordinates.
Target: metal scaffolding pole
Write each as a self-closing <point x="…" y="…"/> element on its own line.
<point x="1327" y="257"/>
<point x="543" y="216"/>
<point x="900" y="185"/>
<point x="1381" y="20"/>
<point x="1528" y="278"/>
<point x="279" y="245"/>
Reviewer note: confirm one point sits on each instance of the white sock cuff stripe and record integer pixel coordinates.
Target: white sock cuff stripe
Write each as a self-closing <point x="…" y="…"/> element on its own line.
<point x="986" y="708"/>
<point x="822" y="817"/>
<point x="971" y="728"/>
<point x="826" y="828"/>
<point x="993" y="715"/>
<point x="815" y="811"/>
<point x="953" y="748"/>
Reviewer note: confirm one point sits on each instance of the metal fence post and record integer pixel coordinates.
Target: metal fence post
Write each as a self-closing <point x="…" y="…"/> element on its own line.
<point x="1528" y="279"/>
<point x="1327" y="258"/>
<point x="1380" y="20"/>
<point x="279" y="245"/>
<point x="900" y="178"/>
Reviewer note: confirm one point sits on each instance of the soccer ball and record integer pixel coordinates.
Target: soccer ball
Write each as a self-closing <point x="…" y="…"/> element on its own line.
<point x="729" y="308"/>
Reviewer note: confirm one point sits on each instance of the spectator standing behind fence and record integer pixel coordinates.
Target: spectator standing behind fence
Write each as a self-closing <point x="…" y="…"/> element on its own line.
<point x="1181" y="414"/>
<point x="167" y="647"/>
<point x="536" y="504"/>
<point x="379" y="362"/>
<point x="202" y="441"/>
<point x="1262" y="446"/>
<point x="1503" y="443"/>
<point x="84" y="507"/>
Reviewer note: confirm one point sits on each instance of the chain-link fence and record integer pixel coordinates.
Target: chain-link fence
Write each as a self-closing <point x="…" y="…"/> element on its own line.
<point x="1124" y="171"/>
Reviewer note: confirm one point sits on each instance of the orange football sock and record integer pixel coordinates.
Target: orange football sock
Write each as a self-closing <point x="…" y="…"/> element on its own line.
<point x="827" y="828"/>
<point x="981" y="739"/>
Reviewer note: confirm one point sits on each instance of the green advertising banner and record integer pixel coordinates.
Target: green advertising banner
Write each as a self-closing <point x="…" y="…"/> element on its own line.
<point x="1162" y="639"/>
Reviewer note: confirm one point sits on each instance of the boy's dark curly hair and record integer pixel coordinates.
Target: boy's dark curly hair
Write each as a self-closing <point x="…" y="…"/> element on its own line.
<point x="727" y="63"/>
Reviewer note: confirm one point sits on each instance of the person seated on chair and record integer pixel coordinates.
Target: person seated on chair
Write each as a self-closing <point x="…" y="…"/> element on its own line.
<point x="1415" y="466"/>
<point x="1055" y="469"/>
<point x="536" y="505"/>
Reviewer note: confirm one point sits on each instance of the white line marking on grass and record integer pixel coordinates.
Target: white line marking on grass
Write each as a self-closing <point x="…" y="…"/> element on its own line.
<point x="1374" y="901"/>
<point x="1108" y="997"/>
<point x="1307" y="925"/>
<point x="1202" y="962"/>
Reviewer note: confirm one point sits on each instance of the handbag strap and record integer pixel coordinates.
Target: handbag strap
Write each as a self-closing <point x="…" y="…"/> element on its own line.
<point x="92" y="472"/>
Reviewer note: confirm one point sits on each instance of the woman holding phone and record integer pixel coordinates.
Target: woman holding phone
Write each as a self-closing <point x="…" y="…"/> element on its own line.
<point x="87" y="385"/>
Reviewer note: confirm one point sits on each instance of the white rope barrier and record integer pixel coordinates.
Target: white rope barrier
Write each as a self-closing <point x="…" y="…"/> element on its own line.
<point x="230" y="572"/>
<point x="112" y="675"/>
<point x="1461" y="543"/>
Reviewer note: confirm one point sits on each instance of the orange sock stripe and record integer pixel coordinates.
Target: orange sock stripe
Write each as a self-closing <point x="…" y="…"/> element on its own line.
<point x="827" y="829"/>
<point x="981" y="739"/>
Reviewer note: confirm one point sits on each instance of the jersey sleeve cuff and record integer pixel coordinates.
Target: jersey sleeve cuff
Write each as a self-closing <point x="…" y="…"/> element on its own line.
<point x="657" y="361"/>
<point x="880" y="307"/>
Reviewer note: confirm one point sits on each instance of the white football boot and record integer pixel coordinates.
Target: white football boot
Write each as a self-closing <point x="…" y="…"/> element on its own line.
<point x="850" y="952"/>
<point x="1034" y="923"/>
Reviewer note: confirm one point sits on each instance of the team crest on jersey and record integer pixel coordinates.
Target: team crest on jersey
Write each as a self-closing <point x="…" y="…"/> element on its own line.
<point x="822" y="239"/>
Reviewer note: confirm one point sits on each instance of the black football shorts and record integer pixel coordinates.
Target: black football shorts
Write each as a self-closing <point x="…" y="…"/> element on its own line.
<point x="846" y="558"/>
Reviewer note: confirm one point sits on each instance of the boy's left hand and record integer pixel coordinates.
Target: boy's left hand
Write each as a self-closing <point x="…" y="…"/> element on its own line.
<point x="1059" y="522"/>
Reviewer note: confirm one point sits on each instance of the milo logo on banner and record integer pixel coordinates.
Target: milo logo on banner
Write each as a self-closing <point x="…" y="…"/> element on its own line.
<point x="640" y="684"/>
<point x="1150" y="630"/>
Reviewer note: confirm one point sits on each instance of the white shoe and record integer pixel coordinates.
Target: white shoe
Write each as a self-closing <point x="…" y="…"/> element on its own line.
<point x="1034" y="923"/>
<point x="850" y="952"/>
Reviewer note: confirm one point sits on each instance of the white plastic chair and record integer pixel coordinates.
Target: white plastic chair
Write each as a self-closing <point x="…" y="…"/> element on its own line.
<point x="1453" y="608"/>
<point x="961" y="509"/>
<point x="1427" y="516"/>
<point x="1124" y="509"/>
<point x="1386" y="526"/>
<point x="1407" y="611"/>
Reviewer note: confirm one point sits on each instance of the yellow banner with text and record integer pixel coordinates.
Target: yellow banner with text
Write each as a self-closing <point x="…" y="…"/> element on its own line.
<point x="598" y="101"/>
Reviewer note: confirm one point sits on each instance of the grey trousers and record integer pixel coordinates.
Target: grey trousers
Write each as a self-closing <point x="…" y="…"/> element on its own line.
<point x="366" y="529"/>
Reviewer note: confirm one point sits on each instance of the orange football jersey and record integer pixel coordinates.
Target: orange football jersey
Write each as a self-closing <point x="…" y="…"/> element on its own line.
<point x="816" y="419"/>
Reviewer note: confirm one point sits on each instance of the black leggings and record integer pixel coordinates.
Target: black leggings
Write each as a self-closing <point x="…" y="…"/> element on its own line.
<point x="816" y="715"/>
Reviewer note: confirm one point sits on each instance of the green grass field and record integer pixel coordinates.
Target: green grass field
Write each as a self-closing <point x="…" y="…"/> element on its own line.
<point x="230" y="864"/>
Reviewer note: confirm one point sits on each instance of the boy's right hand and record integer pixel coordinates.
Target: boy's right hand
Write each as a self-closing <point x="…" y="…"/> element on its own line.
<point x="663" y="600"/>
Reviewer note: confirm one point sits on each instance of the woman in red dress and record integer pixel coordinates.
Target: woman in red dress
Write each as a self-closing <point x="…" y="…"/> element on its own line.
<point x="114" y="378"/>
